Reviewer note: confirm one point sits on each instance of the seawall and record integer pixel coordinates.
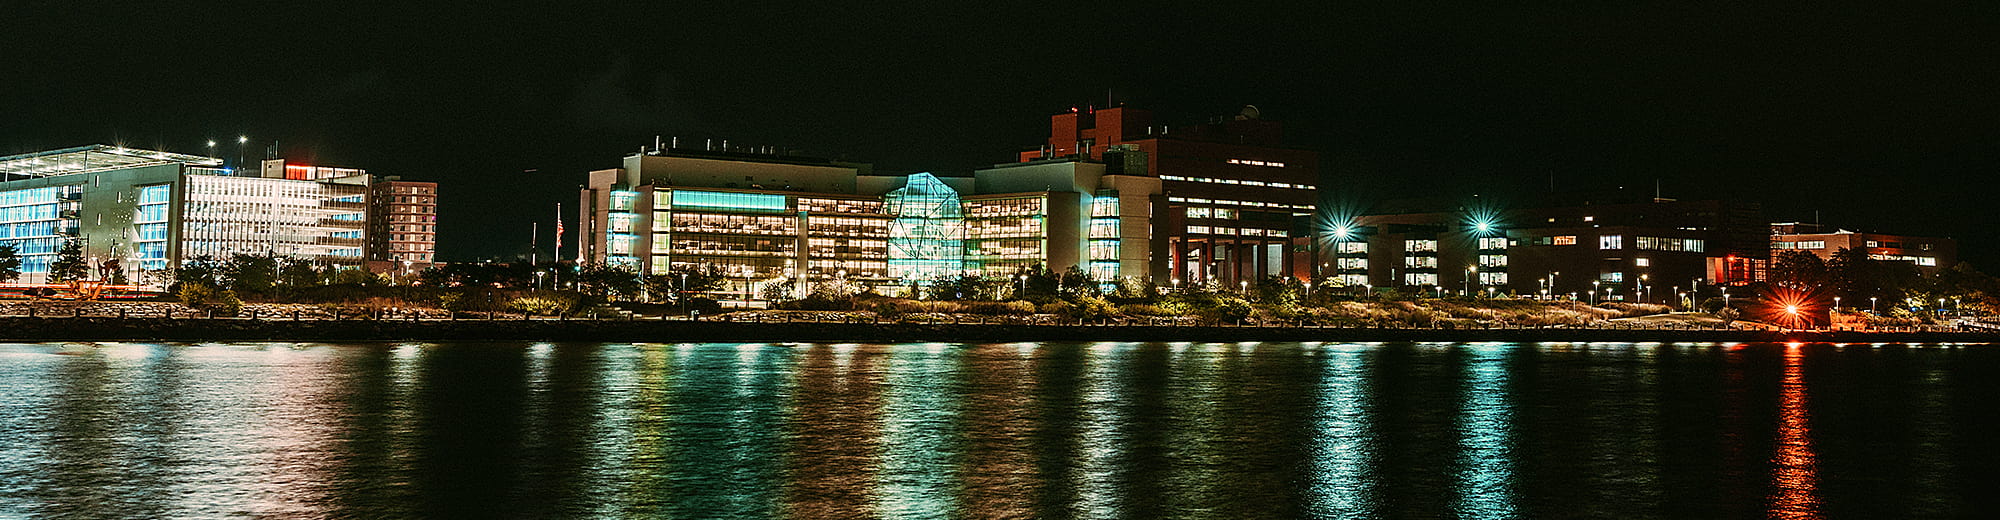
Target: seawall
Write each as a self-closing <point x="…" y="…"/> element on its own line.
<point x="183" y="329"/>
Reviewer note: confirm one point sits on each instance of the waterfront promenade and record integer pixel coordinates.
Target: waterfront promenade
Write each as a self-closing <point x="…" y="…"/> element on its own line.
<point x="517" y="328"/>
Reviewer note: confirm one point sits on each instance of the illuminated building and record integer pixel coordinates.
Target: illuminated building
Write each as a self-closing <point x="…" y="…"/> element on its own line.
<point x="763" y="217"/>
<point x="1620" y="249"/>
<point x="402" y="225"/>
<point x="142" y="210"/>
<point x="1235" y="198"/>
<point x="1927" y="253"/>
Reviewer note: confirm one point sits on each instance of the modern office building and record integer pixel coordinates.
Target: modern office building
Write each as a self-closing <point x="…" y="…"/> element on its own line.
<point x="1929" y="254"/>
<point x="764" y="217"/>
<point x="1238" y="202"/>
<point x="402" y="225"/>
<point x="1606" y="249"/>
<point x="138" y="211"/>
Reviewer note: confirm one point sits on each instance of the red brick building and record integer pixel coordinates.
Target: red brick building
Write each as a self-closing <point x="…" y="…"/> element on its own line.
<point x="402" y="227"/>
<point x="1237" y="200"/>
<point x="1928" y="253"/>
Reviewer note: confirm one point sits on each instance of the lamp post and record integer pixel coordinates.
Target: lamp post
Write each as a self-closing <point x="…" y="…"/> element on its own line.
<point x="1593" y="292"/>
<point x="538" y="279"/>
<point x="1244" y="289"/>
<point x="1871" y="304"/>
<point x="1023" y="279"/>
<point x="684" y="295"/>
<point x="1836" y="304"/>
<point x="241" y="142"/>
<point x="1471" y="271"/>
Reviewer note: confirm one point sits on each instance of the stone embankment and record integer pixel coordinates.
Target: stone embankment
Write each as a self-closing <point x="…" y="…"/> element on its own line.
<point x="675" y="331"/>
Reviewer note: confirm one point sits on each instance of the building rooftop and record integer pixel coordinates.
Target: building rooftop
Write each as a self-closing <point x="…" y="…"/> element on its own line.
<point x="97" y="157"/>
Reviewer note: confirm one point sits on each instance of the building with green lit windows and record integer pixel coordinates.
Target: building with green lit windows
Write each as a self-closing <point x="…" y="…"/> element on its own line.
<point x="761" y="218"/>
<point x="141" y="212"/>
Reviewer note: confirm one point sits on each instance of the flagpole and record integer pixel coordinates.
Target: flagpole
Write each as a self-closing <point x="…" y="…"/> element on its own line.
<point x="559" y="232"/>
<point x="534" y="244"/>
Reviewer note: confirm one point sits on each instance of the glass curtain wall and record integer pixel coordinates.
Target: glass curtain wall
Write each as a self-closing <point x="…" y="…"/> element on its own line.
<point x="927" y="236"/>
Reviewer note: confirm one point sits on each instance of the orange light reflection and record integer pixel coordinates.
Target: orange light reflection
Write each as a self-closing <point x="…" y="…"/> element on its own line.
<point x="1794" y="471"/>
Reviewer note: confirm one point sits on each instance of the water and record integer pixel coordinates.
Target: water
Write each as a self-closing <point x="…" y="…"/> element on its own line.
<point x="1102" y="430"/>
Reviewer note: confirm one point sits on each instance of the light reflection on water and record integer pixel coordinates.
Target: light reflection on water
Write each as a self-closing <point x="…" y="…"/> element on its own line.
<point x="1101" y="430"/>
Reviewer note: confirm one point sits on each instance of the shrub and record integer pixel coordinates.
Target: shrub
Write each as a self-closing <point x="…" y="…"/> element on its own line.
<point x="1226" y="310"/>
<point x="208" y="297"/>
<point x="1087" y="308"/>
<point x="546" y="303"/>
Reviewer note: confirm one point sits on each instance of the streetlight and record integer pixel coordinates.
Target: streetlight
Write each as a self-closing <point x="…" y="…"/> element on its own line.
<point x="1871" y="305"/>
<point x="684" y="295"/>
<point x="1593" y="292"/>
<point x="1471" y="271"/>
<point x="1836" y="304"/>
<point x="1023" y="279"/>
<point x="241" y="140"/>
<point x="1246" y="288"/>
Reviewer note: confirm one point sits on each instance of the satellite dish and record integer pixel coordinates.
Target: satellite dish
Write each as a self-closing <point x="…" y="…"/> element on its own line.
<point x="1250" y="112"/>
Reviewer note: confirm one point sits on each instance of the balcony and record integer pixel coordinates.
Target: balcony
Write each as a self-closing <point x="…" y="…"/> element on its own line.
<point x="332" y="241"/>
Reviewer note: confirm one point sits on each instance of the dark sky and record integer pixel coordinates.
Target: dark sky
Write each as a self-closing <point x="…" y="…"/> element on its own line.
<point x="1880" y="117"/>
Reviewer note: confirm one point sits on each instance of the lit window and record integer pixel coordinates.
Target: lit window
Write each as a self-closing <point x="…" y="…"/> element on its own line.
<point x="1565" y="240"/>
<point x="1611" y="242"/>
<point x="1642" y="262"/>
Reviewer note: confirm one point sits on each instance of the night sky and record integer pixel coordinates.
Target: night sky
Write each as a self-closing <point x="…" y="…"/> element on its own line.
<point x="1879" y="117"/>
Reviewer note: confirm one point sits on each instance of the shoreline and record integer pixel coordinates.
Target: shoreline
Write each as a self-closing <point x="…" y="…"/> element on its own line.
<point x="19" y="329"/>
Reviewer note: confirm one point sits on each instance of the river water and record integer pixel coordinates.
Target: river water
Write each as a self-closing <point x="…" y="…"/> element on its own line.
<point x="1037" y="430"/>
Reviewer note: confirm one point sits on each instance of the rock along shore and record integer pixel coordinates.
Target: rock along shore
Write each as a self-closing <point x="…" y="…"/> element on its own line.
<point x="652" y="331"/>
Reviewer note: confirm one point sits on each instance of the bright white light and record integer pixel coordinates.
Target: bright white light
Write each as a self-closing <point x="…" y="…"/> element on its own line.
<point x="211" y="143"/>
<point x="242" y="139"/>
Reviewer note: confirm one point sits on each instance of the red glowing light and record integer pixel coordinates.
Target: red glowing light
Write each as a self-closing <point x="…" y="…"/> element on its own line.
<point x="1789" y="308"/>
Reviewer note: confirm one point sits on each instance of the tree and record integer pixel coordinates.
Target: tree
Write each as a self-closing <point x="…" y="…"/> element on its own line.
<point x="251" y="275"/>
<point x="69" y="264"/>
<point x="607" y="281"/>
<point x="10" y="264"/>
<point x="297" y="275"/>
<point x="1798" y="270"/>
<point x="665" y="288"/>
<point x="204" y="270"/>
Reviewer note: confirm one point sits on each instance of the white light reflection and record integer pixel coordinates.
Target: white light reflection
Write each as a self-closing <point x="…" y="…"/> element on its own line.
<point x="1101" y="432"/>
<point x="1486" y="466"/>
<point x="1341" y="475"/>
<point x="919" y="433"/>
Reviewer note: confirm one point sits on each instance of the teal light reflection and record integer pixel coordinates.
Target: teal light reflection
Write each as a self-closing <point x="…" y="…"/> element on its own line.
<point x="1486" y="466"/>
<point x="920" y="433"/>
<point x="1341" y="475"/>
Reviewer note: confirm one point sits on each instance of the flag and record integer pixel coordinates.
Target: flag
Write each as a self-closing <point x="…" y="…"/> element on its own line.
<point x="559" y="224"/>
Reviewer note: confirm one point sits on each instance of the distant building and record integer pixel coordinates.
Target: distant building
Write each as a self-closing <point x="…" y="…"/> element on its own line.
<point x="1929" y="254"/>
<point x="137" y="211"/>
<point x="402" y="225"/>
<point x="765" y="217"/>
<point x="1237" y="200"/>
<point x="1618" y="250"/>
